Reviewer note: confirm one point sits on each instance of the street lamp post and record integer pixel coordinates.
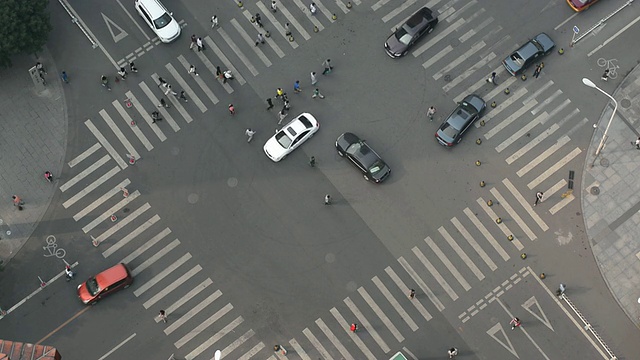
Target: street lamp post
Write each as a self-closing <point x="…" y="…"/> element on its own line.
<point x="590" y="84"/>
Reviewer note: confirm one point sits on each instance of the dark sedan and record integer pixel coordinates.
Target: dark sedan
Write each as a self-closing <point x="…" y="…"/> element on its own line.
<point x="534" y="49"/>
<point x="363" y="157"/>
<point x="420" y="23"/>
<point x="454" y="126"/>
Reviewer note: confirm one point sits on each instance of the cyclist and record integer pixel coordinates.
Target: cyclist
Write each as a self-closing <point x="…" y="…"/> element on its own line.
<point x="105" y="82"/>
<point x="452" y="352"/>
<point x="123" y="73"/>
<point x="515" y="322"/>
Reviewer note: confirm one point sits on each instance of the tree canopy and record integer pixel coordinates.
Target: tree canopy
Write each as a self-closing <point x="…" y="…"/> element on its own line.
<point x="25" y="28"/>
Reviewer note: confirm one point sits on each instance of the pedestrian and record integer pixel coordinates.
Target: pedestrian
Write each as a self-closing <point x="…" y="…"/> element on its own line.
<point x="219" y="73"/>
<point x="314" y="78"/>
<point x="327" y="66"/>
<point x="412" y="294"/>
<point x="605" y="75"/>
<point x="280" y="348"/>
<point x="258" y="19"/>
<point x="637" y="143"/>
<point x="430" y="112"/>
<point x="123" y="73"/>
<point x="285" y="99"/>
<point x="260" y="39"/>
<point x="40" y="68"/>
<point x="273" y="6"/>
<point x="194" y="39"/>
<point x="64" y="77"/>
<point x="281" y="115"/>
<point x="296" y="86"/>
<point x="169" y="91"/>
<point x="287" y="31"/>
<point x="515" y="322"/>
<point x="354" y="327"/>
<point x="161" y="82"/>
<point x="232" y="110"/>
<point x="279" y="93"/>
<point x="539" y="196"/>
<point x="537" y="71"/>
<point x="163" y="316"/>
<point x="125" y="192"/>
<point x="327" y="201"/>
<point x="214" y="21"/>
<point x="452" y="352"/>
<point x="183" y="96"/>
<point x="312" y="161"/>
<point x="313" y="8"/>
<point x="164" y="104"/>
<point x="44" y="81"/>
<point x="270" y="103"/>
<point x="17" y="201"/>
<point x="49" y="176"/>
<point x="316" y="93"/>
<point x="155" y="116"/>
<point x="249" y="134"/>
<point x="561" y="289"/>
<point x="192" y="70"/>
<point x="200" y="44"/>
<point x="492" y="78"/>
<point x="132" y="67"/>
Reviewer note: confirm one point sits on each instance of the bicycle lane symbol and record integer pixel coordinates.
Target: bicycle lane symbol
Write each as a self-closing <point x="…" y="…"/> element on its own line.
<point x="52" y="248"/>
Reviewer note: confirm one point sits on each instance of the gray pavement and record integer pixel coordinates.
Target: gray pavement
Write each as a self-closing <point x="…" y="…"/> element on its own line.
<point x="33" y="139"/>
<point x="611" y="195"/>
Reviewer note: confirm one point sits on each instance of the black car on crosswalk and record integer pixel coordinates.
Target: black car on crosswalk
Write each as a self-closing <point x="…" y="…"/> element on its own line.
<point x="404" y="37"/>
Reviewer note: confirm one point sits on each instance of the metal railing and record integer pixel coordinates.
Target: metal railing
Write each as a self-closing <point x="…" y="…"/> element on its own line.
<point x="74" y="20"/>
<point x="600" y="23"/>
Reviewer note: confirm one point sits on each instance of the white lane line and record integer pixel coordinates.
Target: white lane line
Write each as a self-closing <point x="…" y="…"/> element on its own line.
<point x="305" y="9"/>
<point x="268" y="40"/>
<point x="105" y="356"/>
<point x="299" y="350"/>
<point x="171" y="287"/>
<point x="230" y="327"/>
<point x="559" y="108"/>
<point x="541" y="90"/>
<point x="546" y="101"/>
<point x="396" y="11"/>
<point x="378" y="311"/>
<point x="239" y="341"/>
<point x="146" y="116"/>
<point x="509" y="120"/>
<point x="433" y="59"/>
<point x="441" y="35"/>
<point x="139" y="251"/>
<point x="503" y="105"/>
<point x="273" y="21"/>
<point x="502" y="226"/>
<point x="511" y="211"/>
<point x="136" y="130"/>
<point x="543" y="156"/>
<point x="483" y="230"/>
<point x="291" y="19"/>
<point x="435" y="273"/>
<point x="155" y="257"/>
<point x="106" y="144"/>
<point x="85" y="154"/>
<point x="161" y="275"/>
<point x="421" y="284"/>
<point x="523" y="330"/>
<point x="251" y="353"/>
<point x="156" y="101"/>
<point x="367" y="325"/>
<point x="454" y="245"/>
<point x="316" y="344"/>
<point x="379" y="4"/>
<point x="100" y="218"/>
<point x="460" y="78"/>
<point x="199" y="81"/>
<point x="99" y="201"/>
<point x="405" y="289"/>
<point x="462" y="10"/>
<point x="531" y="144"/>
<point x="447" y="263"/>
<point x="251" y="42"/>
<point x="225" y="60"/>
<point x="190" y="295"/>
<point x="396" y="305"/>
<point x="133" y="21"/>
<point x="457" y="61"/>
<point x="522" y="131"/>
<point x="191" y="313"/>
<point x="474" y="244"/>
<point x="476" y="29"/>
<point x="187" y="89"/>
<point x="564" y="161"/>
<point x="175" y="102"/>
<point x="334" y="339"/>
<point x="611" y="38"/>
<point x="238" y="52"/>
<point x="355" y="338"/>
<point x="120" y="225"/>
<point x="203" y="325"/>
<point x="483" y="82"/>
<point x="525" y="204"/>
<point x="89" y="188"/>
<point x="118" y="133"/>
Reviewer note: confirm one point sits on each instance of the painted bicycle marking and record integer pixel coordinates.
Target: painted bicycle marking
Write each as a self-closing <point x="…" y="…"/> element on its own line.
<point x="611" y="65"/>
<point x="53" y="249"/>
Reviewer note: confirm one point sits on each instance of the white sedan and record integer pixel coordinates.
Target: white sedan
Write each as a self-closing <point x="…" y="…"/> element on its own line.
<point x="159" y="19"/>
<point x="291" y="136"/>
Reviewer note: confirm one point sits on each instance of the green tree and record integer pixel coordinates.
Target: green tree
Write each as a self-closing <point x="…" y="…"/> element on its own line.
<point x="25" y="28"/>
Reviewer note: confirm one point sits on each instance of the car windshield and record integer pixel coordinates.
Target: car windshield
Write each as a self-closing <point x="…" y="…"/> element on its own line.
<point x="376" y="167"/>
<point x="354" y="148"/>
<point x="517" y="58"/>
<point x="162" y="21"/>
<point x="403" y="36"/>
<point x="450" y="131"/>
<point x="92" y="286"/>
<point x="283" y="139"/>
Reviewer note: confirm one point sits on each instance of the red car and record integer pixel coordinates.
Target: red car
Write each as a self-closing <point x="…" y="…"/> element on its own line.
<point x="579" y="5"/>
<point x="111" y="280"/>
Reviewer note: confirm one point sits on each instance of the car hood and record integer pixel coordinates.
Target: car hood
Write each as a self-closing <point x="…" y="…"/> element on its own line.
<point x="394" y="45"/>
<point x="475" y="101"/>
<point x="274" y="150"/>
<point x="83" y="293"/>
<point x="546" y="42"/>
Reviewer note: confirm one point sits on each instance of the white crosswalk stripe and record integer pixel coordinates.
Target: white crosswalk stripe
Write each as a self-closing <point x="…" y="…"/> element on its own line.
<point x="238" y="52"/>
<point x="396" y="305"/>
<point x="146" y="116"/>
<point x="183" y="84"/>
<point x="353" y="337"/>
<point x="85" y="154"/>
<point x="130" y="123"/>
<point x="364" y="322"/>
<point x="378" y="311"/>
<point x="333" y="339"/>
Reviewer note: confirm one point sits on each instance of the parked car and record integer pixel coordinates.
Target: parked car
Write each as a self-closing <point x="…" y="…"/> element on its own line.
<point x="159" y="19"/>
<point x="363" y="157"/>
<point x="456" y="124"/>
<point x="404" y="37"/>
<point x="291" y="136"/>
<point x="530" y="52"/>
<point x="580" y="5"/>
<point x="105" y="283"/>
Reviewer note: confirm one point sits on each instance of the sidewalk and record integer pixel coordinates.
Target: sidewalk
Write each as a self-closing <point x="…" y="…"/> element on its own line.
<point x="611" y="196"/>
<point x="33" y="139"/>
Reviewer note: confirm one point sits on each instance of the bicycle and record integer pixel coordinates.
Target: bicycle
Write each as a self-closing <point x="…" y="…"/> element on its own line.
<point x="610" y="65"/>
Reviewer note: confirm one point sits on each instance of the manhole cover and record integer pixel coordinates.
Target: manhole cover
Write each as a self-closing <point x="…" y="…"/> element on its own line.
<point x="594" y="190"/>
<point x="604" y="162"/>
<point x="447" y="78"/>
<point x="625" y="103"/>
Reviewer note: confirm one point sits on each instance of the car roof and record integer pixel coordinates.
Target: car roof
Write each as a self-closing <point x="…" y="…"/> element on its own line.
<point x="299" y="125"/>
<point x="366" y="155"/>
<point x="112" y="275"/>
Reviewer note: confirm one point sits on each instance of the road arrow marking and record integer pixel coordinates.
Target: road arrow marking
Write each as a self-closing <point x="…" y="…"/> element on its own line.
<point x="533" y="301"/>
<point x="498" y="328"/>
